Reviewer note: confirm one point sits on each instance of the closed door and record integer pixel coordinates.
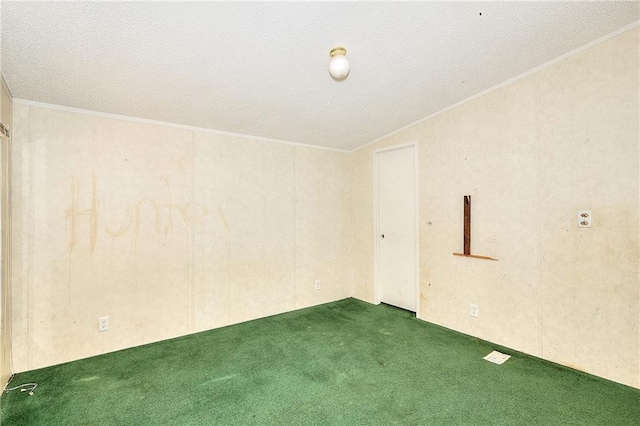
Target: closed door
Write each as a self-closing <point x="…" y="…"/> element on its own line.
<point x="396" y="237"/>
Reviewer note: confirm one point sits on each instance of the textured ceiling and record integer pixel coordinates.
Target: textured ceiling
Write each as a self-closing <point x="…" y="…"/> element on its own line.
<point x="261" y="68"/>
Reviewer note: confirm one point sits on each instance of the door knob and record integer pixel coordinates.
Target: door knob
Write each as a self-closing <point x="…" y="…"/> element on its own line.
<point x="382" y="236"/>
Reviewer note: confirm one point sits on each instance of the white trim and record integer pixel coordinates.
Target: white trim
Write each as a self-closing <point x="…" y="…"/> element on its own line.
<point x="6" y="86"/>
<point x="376" y="231"/>
<point x="509" y="81"/>
<point x="172" y="125"/>
<point x="417" y="225"/>
<point x="376" y="222"/>
<point x="394" y="147"/>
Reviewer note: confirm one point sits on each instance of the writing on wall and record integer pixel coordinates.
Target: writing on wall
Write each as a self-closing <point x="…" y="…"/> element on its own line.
<point x="164" y="212"/>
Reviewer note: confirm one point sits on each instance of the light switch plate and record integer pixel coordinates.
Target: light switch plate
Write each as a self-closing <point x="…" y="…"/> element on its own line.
<point x="585" y="219"/>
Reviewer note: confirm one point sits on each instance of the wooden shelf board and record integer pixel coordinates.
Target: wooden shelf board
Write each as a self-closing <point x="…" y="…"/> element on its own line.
<point x="475" y="256"/>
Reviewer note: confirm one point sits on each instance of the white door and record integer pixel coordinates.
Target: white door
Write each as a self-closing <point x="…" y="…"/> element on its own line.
<point x="396" y="239"/>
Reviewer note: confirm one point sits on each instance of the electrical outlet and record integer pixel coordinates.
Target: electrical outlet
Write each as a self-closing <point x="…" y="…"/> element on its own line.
<point x="474" y="310"/>
<point x="103" y="323"/>
<point x="317" y="285"/>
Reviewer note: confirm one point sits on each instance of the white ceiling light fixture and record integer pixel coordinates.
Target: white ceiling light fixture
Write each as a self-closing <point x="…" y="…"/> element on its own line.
<point x="339" y="64"/>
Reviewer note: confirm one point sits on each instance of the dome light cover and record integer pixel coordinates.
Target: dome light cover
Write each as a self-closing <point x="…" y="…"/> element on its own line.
<point x="339" y="64"/>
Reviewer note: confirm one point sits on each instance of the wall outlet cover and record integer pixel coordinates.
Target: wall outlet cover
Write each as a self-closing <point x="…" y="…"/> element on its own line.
<point x="474" y="310"/>
<point x="103" y="323"/>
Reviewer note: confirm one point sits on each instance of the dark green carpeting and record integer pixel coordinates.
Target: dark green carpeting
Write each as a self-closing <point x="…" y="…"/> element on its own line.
<point x="346" y="362"/>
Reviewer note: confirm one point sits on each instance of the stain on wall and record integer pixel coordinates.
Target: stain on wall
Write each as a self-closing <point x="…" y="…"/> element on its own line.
<point x="161" y="213"/>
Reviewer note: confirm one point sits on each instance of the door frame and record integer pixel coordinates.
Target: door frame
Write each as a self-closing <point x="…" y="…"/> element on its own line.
<point x="376" y="222"/>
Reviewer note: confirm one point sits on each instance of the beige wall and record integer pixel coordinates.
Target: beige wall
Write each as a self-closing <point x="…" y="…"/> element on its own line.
<point x="531" y="154"/>
<point x="167" y="231"/>
<point x="5" y="282"/>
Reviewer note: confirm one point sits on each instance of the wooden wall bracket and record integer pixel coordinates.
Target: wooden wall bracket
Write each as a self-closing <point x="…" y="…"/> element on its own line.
<point x="467" y="232"/>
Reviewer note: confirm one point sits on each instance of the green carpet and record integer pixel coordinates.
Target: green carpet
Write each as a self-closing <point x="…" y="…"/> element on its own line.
<point x="345" y="362"/>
